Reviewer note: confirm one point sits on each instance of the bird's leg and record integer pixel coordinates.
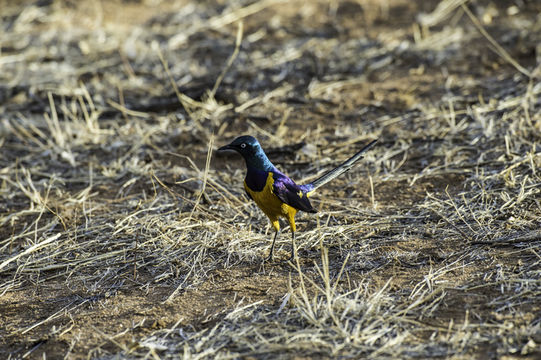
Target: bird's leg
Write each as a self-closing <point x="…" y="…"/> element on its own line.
<point x="293" y="247"/>
<point x="269" y="258"/>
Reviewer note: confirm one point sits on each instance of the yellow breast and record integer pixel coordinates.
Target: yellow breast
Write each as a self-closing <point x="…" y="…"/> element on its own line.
<point x="271" y="205"/>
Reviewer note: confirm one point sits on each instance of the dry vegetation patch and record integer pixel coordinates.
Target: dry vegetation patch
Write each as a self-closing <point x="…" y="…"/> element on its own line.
<point x="124" y="235"/>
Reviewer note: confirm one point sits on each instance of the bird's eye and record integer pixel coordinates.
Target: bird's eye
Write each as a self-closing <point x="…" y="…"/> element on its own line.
<point x="242" y="146"/>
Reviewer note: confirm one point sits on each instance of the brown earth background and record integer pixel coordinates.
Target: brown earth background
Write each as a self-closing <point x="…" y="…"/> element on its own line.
<point x="123" y="234"/>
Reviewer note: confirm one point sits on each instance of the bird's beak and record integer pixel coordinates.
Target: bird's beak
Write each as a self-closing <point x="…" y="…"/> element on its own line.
<point x="226" y="147"/>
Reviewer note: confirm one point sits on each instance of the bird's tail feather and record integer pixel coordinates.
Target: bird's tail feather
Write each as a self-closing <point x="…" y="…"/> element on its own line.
<point x="334" y="173"/>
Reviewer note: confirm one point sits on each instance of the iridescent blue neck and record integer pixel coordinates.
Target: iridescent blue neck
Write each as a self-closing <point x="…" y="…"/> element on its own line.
<point x="259" y="161"/>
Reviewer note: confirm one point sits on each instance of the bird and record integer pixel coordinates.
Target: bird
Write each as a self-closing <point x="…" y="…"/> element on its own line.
<point x="277" y="195"/>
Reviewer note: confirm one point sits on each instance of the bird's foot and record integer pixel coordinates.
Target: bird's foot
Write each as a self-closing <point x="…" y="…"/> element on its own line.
<point x="291" y="256"/>
<point x="268" y="258"/>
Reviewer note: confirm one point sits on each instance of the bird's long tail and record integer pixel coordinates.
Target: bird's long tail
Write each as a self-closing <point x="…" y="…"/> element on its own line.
<point x="334" y="173"/>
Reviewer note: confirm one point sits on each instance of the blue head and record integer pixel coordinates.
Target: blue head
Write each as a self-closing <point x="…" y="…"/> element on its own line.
<point x="251" y="151"/>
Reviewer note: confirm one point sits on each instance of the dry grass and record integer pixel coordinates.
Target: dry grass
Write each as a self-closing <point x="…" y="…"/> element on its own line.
<point x="123" y="235"/>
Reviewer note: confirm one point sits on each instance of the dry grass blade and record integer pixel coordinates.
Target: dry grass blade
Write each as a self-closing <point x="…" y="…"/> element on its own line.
<point x="30" y="250"/>
<point x="230" y="61"/>
<point x="499" y="50"/>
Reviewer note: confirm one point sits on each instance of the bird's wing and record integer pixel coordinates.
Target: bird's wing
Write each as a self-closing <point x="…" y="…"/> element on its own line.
<point x="290" y="193"/>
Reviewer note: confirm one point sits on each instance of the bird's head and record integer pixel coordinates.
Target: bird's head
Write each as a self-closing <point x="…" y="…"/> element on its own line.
<point x="245" y="145"/>
<point x="251" y="151"/>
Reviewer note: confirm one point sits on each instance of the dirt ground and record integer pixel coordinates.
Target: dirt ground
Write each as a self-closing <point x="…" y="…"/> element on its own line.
<point x="124" y="234"/>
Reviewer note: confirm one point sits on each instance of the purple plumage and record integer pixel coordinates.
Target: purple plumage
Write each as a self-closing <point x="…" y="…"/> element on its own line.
<point x="256" y="179"/>
<point x="291" y="193"/>
<point x="282" y="186"/>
